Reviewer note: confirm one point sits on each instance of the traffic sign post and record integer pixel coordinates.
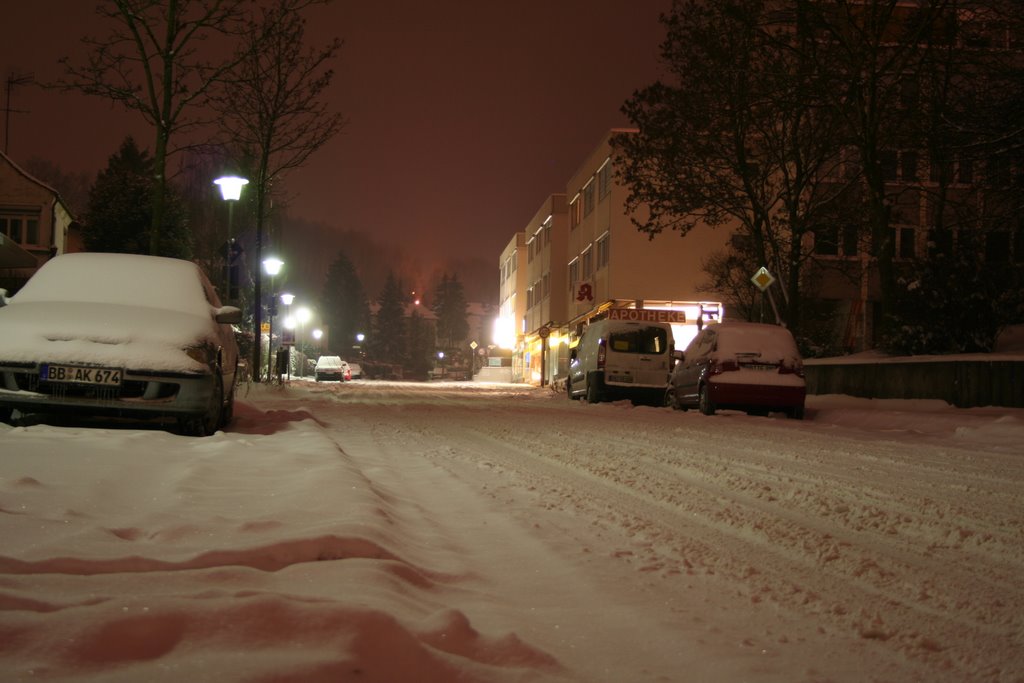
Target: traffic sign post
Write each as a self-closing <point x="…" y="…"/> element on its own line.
<point x="763" y="280"/>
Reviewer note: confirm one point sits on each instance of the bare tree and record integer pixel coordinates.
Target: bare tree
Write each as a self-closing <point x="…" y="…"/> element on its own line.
<point x="273" y="115"/>
<point x="159" y="60"/>
<point x="738" y="136"/>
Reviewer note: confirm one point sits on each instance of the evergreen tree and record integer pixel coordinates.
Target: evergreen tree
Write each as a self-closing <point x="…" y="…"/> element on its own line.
<point x="346" y="309"/>
<point x="421" y="346"/>
<point x="450" y="308"/>
<point x="119" y="215"/>
<point x="388" y="341"/>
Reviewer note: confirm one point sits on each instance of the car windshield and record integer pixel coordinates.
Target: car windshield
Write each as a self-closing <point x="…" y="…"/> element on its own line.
<point x="639" y="340"/>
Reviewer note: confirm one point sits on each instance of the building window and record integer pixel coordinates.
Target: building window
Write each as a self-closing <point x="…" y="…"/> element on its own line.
<point x="602" y="251"/>
<point x="574" y="274"/>
<point x="850" y="240"/>
<point x="940" y="242"/>
<point x="588" y="198"/>
<point x="604" y="180"/>
<point x="588" y="263"/>
<point x="826" y="241"/>
<point x="21" y="227"/>
<point x="908" y="166"/>
<point x="547" y="232"/>
<point x="997" y="246"/>
<point x="575" y="212"/>
<point x="907" y="246"/>
<point x="529" y="253"/>
<point x="546" y="285"/>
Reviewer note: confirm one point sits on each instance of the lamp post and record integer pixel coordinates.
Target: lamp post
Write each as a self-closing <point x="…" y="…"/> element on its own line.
<point x="231" y="192"/>
<point x="289" y="324"/>
<point x="272" y="266"/>
<point x="302" y="316"/>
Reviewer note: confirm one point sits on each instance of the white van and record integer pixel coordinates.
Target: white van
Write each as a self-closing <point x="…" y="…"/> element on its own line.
<point x="626" y="355"/>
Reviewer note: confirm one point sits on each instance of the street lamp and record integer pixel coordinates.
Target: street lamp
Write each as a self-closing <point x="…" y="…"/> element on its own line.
<point x="231" y="191"/>
<point x="272" y="266"/>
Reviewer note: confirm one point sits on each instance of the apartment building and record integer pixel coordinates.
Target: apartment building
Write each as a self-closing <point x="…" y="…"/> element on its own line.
<point x="546" y="304"/>
<point x="512" y="300"/>
<point x="575" y="265"/>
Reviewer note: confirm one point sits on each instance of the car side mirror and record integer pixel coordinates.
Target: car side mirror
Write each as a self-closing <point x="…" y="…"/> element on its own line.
<point x="228" y="315"/>
<point x="677" y="356"/>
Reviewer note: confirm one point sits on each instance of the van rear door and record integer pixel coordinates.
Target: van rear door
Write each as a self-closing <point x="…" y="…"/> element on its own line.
<point x="638" y="354"/>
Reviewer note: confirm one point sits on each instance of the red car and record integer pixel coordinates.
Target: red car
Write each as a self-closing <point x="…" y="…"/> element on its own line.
<point x="752" y="367"/>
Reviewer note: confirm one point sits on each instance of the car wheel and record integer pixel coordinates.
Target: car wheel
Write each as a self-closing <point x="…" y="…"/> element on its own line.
<point x="796" y="413"/>
<point x="568" y="389"/>
<point x="594" y="388"/>
<point x="229" y="409"/>
<point x="671" y="400"/>
<point x="704" y="401"/>
<point x="5" y="415"/>
<point x="207" y="423"/>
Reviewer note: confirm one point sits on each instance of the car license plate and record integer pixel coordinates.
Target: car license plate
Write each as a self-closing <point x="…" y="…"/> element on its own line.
<point x="762" y="366"/>
<point x="79" y="374"/>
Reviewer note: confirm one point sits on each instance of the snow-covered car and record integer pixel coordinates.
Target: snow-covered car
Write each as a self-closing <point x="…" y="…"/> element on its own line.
<point x="753" y="367"/>
<point x="356" y="369"/>
<point x="119" y="335"/>
<point x="331" y="368"/>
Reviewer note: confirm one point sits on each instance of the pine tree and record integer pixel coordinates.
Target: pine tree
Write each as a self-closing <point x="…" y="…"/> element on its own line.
<point x="119" y="216"/>
<point x="388" y="341"/>
<point x="346" y="309"/>
<point x="450" y="308"/>
<point x="421" y="346"/>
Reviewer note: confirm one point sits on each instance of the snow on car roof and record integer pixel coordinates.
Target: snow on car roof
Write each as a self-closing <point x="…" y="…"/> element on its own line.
<point x="128" y="279"/>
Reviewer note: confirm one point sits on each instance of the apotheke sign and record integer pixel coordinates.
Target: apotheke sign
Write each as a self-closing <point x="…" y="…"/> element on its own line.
<point x="647" y="315"/>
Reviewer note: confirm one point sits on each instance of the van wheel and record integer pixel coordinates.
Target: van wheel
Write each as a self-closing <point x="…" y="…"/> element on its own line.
<point x="704" y="401"/>
<point x="594" y="388"/>
<point x="568" y="389"/>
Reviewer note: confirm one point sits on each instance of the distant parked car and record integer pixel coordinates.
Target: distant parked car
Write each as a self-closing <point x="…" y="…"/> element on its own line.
<point x="332" y="368"/>
<point x="753" y="367"/>
<point x="356" y="370"/>
<point x="119" y="335"/>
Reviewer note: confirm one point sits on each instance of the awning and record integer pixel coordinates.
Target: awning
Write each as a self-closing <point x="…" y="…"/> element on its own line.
<point x="13" y="256"/>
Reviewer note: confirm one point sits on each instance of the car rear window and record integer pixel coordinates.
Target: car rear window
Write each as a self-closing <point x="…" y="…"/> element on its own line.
<point x="651" y="340"/>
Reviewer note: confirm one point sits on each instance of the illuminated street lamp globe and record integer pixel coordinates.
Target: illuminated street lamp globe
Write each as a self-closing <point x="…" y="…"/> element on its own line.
<point x="231" y="187"/>
<point x="272" y="265"/>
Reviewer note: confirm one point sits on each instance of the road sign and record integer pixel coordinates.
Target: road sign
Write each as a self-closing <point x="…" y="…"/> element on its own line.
<point x="762" y="279"/>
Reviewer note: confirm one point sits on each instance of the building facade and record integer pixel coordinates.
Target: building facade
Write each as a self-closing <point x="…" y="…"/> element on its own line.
<point x="581" y="255"/>
<point x="35" y="225"/>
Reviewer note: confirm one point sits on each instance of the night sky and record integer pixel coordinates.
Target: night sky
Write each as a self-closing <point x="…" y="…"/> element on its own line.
<point x="463" y="115"/>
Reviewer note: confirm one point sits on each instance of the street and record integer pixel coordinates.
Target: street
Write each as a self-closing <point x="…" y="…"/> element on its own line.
<point x="458" y="531"/>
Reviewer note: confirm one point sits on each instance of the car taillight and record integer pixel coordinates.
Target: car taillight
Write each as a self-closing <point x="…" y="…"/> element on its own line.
<point x="600" y="354"/>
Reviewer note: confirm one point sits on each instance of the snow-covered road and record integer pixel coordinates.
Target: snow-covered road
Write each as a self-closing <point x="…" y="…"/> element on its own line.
<point x="437" y="532"/>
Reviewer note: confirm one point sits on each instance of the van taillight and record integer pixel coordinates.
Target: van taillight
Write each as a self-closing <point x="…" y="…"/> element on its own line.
<point x="600" y="354"/>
